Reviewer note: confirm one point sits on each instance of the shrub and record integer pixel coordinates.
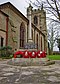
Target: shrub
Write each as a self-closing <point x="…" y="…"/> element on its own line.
<point x="5" y="51"/>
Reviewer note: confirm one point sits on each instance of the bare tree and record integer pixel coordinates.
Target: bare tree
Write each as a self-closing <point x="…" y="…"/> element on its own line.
<point x="58" y="41"/>
<point x="53" y="33"/>
<point x="52" y="8"/>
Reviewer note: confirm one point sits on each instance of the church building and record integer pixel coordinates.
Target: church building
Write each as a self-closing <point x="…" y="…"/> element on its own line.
<point x="22" y="32"/>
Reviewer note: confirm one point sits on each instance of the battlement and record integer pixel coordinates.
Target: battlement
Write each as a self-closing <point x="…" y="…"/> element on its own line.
<point x="38" y="11"/>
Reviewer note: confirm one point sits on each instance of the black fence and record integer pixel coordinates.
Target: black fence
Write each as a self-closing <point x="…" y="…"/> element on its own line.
<point x="56" y="53"/>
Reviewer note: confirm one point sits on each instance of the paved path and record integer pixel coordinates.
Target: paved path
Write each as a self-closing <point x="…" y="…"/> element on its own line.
<point x="10" y="74"/>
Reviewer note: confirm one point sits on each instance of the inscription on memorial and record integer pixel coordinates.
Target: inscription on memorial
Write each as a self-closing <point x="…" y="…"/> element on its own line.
<point x="30" y="46"/>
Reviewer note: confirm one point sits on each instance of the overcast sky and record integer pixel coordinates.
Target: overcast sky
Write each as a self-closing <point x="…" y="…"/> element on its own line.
<point x="19" y="4"/>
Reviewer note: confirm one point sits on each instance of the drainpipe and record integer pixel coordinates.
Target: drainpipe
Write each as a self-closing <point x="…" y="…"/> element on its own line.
<point x="7" y="31"/>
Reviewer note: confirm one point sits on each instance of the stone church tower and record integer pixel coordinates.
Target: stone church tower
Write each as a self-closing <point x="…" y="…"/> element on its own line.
<point x="38" y="18"/>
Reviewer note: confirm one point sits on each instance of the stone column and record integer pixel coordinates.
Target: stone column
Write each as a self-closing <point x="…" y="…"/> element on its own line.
<point x="29" y="13"/>
<point x="30" y="32"/>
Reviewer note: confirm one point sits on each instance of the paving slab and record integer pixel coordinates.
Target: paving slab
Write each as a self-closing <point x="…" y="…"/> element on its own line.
<point x="13" y="74"/>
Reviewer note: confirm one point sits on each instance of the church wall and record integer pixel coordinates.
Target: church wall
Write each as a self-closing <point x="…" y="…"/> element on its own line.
<point x="2" y="22"/>
<point x="2" y="28"/>
<point x="14" y="28"/>
<point x="35" y="33"/>
<point x="3" y="35"/>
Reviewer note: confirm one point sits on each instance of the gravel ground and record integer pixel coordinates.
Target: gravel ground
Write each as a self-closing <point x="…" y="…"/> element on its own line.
<point x="10" y="74"/>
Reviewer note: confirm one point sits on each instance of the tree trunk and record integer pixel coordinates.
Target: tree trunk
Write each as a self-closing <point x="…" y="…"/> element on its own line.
<point x="59" y="49"/>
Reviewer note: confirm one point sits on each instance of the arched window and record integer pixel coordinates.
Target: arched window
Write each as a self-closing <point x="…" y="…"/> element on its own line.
<point x="41" y="43"/>
<point x="22" y="33"/>
<point x="32" y="34"/>
<point x="35" y="20"/>
<point x="37" y="40"/>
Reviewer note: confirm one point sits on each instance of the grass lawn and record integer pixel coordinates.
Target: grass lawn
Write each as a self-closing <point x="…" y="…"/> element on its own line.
<point x="54" y="57"/>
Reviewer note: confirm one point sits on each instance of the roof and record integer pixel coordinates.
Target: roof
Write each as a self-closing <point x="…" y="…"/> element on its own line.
<point x="3" y="13"/>
<point x="38" y="29"/>
<point x="8" y="4"/>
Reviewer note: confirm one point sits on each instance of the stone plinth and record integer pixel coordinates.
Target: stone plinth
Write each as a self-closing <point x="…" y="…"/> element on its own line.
<point x="28" y="61"/>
